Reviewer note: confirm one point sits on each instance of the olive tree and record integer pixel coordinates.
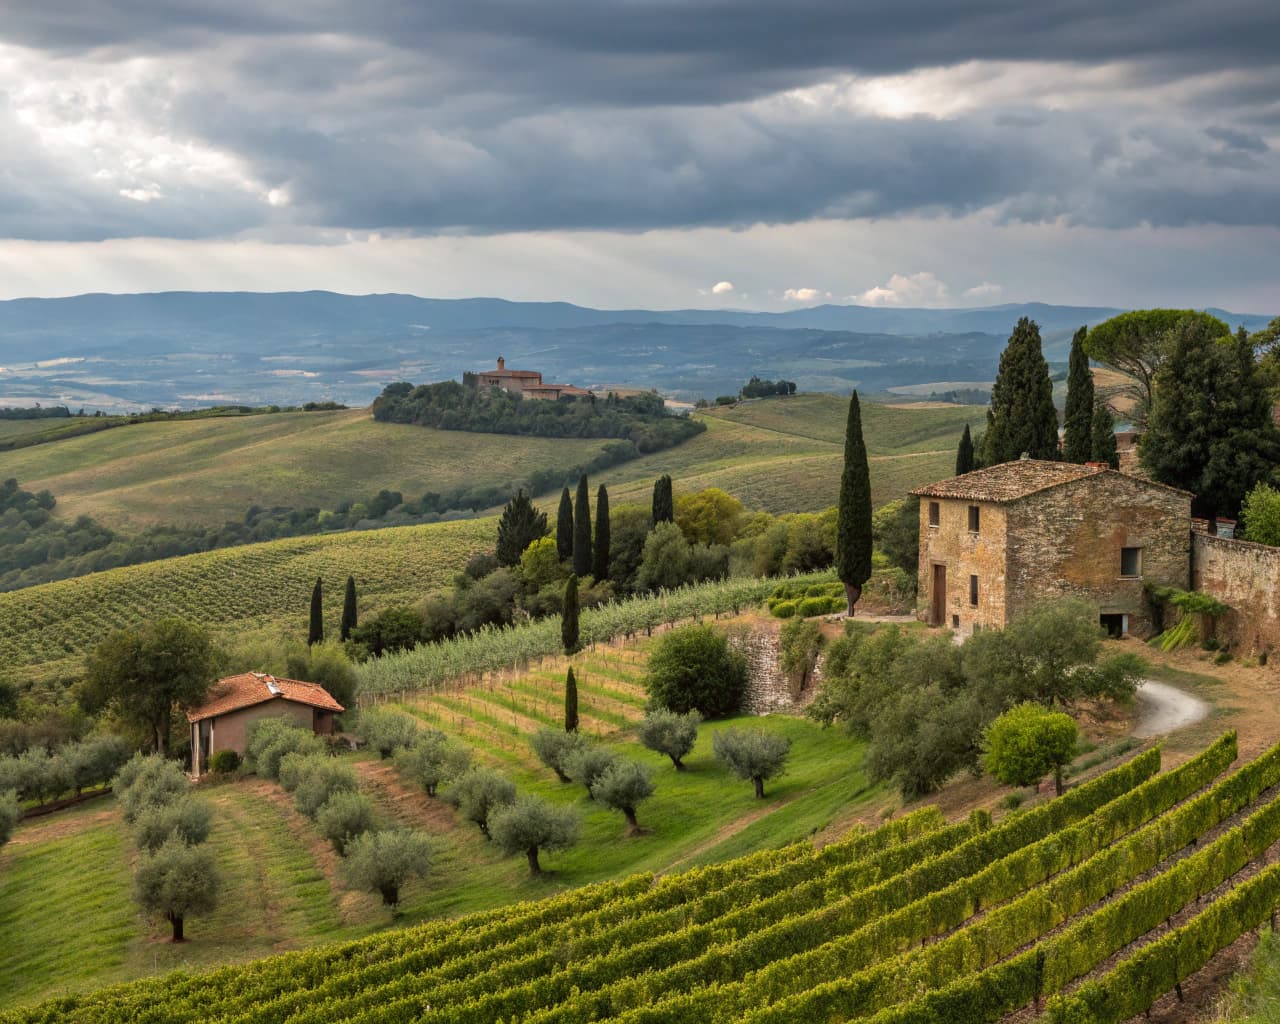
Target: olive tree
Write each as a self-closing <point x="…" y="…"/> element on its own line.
<point x="176" y="882"/>
<point x="555" y="748"/>
<point x="187" y="819"/>
<point x="666" y="732"/>
<point x="10" y="812"/>
<point x="383" y="862"/>
<point x="531" y="826"/>
<point x="431" y="759"/>
<point x="386" y="731"/>
<point x="270" y="739"/>
<point x="321" y="779"/>
<point x="478" y="793"/>
<point x="752" y="754"/>
<point x="622" y="787"/>
<point x="586" y="764"/>
<point x="344" y="816"/>
<point x="1027" y="742"/>
<point x="146" y="782"/>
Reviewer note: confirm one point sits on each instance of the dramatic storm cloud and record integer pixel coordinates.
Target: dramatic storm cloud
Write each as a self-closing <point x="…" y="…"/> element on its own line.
<point x="555" y="128"/>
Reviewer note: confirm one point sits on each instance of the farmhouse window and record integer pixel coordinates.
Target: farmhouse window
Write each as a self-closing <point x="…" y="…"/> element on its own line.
<point x="935" y="514"/>
<point x="974" y="518"/>
<point x="1131" y="562"/>
<point x="973" y="590"/>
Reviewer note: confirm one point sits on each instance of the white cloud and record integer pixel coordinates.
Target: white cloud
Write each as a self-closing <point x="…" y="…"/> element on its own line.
<point x="722" y="288"/>
<point x="142" y="195"/>
<point x="921" y="289"/>
<point x="801" y="294"/>
<point x="984" y="292"/>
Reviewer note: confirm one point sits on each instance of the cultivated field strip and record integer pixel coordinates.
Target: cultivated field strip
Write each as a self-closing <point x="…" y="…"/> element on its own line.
<point x="917" y="921"/>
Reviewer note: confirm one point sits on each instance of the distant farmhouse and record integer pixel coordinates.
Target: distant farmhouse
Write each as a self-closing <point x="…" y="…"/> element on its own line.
<point x="222" y="721"/>
<point x="525" y="383"/>
<point x="996" y="541"/>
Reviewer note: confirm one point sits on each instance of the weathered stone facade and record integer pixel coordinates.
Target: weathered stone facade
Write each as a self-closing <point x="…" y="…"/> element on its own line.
<point x="1245" y="577"/>
<point x="996" y="541"/>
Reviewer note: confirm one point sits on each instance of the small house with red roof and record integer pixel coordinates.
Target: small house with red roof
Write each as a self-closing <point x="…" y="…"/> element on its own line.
<point x="998" y="540"/>
<point x="525" y="383"/>
<point x="222" y="721"/>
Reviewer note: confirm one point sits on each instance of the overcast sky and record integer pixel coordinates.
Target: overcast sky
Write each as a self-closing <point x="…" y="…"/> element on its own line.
<point x="642" y="153"/>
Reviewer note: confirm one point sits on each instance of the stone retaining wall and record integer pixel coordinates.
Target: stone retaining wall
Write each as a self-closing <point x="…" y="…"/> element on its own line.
<point x="1245" y="577"/>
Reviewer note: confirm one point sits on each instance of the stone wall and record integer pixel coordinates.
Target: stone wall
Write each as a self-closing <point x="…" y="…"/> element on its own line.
<point x="1066" y="542"/>
<point x="768" y="690"/>
<point x="964" y="553"/>
<point x="1246" y="578"/>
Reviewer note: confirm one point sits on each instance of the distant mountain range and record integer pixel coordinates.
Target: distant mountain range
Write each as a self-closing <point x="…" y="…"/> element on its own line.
<point x="203" y="348"/>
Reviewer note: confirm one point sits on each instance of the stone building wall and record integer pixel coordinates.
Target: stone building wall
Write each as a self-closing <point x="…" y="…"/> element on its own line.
<point x="1067" y="541"/>
<point x="965" y="554"/>
<point x="1246" y="577"/>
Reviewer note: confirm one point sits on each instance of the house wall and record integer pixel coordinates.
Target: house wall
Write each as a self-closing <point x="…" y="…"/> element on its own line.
<point x="980" y="554"/>
<point x="1246" y="577"/>
<point x="1066" y="541"/>
<point x="230" y="731"/>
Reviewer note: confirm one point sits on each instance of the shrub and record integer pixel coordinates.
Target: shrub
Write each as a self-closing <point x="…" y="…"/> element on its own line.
<point x="344" y="816"/>
<point x="386" y="731"/>
<point x="270" y="739"/>
<point x="432" y="759"/>
<point x="622" y="787"/>
<point x="1026" y="742"/>
<point x="814" y="606"/>
<point x="752" y="754"/>
<point x="176" y="882"/>
<point x="224" y="762"/>
<point x="530" y="826"/>
<point x="186" y="819"/>
<point x="784" y="609"/>
<point x="383" y="862"/>
<point x="693" y="668"/>
<point x="586" y="764"/>
<point x="555" y="748"/>
<point x="477" y="793"/>
<point x="666" y="732"/>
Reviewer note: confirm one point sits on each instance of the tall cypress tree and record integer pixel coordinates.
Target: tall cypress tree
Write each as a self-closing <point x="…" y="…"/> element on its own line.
<point x="664" y="505"/>
<point x="569" y="620"/>
<point x="964" y="453"/>
<point x="582" y="530"/>
<point x="564" y="527"/>
<point x="348" y="610"/>
<point x="570" y="702"/>
<point x="853" y="527"/>
<point x="1102" y="441"/>
<point x="600" y="561"/>
<point x="1077" y="436"/>
<point x="315" y="634"/>
<point x="1023" y="417"/>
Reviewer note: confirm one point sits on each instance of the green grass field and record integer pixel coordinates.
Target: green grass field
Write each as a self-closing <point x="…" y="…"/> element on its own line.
<point x="282" y="887"/>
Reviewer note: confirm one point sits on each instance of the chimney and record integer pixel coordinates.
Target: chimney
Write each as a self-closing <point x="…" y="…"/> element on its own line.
<point x="502" y="363"/>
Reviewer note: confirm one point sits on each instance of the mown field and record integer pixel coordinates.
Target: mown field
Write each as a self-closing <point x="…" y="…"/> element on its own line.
<point x="208" y="471"/>
<point x="1090" y="907"/>
<point x="258" y="586"/>
<point x="282" y="885"/>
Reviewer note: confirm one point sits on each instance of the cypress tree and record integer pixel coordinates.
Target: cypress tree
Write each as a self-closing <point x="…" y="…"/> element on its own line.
<point x="569" y="621"/>
<point x="600" y="563"/>
<point x="664" y="505"/>
<point x="1023" y="417"/>
<point x="564" y="527"/>
<point x="582" y="530"/>
<point x="315" y="635"/>
<point x="348" y="610"/>
<point x="853" y="527"/>
<point x="521" y="524"/>
<point x="964" y="453"/>
<point x="1077" y="437"/>
<point x="1102" y="440"/>
<point x="570" y="702"/>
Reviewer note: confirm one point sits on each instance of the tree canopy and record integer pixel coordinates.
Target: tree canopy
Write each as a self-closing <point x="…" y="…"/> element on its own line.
<point x="693" y="668"/>
<point x="853" y="527"/>
<point x="1077" y="437"/>
<point x="1023" y="418"/>
<point x="520" y="525"/>
<point x="1027" y="742"/>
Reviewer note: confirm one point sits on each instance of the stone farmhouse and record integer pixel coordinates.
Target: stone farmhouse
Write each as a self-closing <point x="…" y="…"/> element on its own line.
<point x="222" y="721"/>
<point x="525" y="383"/>
<point x="998" y="540"/>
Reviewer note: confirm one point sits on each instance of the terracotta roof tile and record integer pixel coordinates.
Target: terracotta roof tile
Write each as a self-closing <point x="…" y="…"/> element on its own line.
<point x="250" y="688"/>
<point x="1011" y="481"/>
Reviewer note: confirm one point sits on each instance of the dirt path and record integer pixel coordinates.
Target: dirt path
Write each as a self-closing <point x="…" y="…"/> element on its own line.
<point x="1163" y="708"/>
<point x="731" y="828"/>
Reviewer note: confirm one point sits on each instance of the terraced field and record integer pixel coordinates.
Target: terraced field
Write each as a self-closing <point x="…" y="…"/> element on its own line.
<point x="1089" y="907"/>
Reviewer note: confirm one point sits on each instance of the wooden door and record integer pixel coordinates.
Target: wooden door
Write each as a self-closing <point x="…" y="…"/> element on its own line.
<point x="938" y="595"/>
